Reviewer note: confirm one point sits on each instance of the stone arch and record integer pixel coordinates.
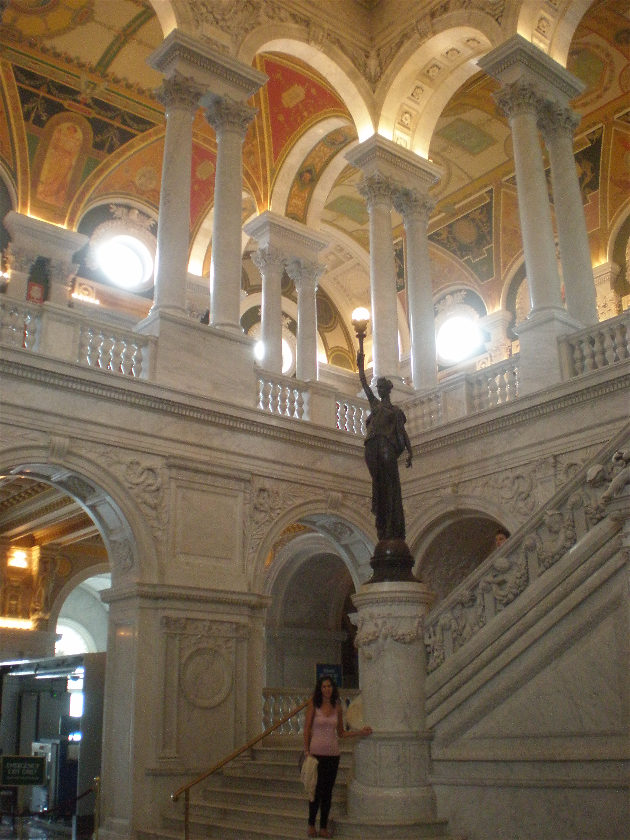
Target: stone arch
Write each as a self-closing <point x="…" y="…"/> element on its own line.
<point x="310" y="581"/>
<point x="291" y="164"/>
<point x="427" y="75"/>
<point x="451" y="538"/>
<point x="70" y="585"/>
<point x="342" y="75"/>
<point x="171" y="15"/>
<point x="344" y="528"/>
<point x="111" y="506"/>
<point x="552" y="27"/>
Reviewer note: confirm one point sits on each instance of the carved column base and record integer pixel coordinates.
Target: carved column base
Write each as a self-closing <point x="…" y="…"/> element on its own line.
<point x="391" y="766"/>
<point x="390" y="779"/>
<point x="392" y="560"/>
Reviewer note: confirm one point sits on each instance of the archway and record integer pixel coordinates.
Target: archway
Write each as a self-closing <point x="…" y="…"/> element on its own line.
<point x="313" y="569"/>
<point x="452" y="548"/>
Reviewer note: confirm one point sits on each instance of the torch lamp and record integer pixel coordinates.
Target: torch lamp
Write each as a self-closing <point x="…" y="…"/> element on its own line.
<point x="360" y="320"/>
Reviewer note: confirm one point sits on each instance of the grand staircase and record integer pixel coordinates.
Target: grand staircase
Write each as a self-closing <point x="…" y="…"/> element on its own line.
<point x="261" y="798"/>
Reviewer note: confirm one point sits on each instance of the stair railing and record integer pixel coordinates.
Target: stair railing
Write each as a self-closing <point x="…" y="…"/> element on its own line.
<point x="185" y="789"/>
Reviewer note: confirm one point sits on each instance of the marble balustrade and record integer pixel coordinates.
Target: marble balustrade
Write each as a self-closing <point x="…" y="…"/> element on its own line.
<point x="112" y="345"/>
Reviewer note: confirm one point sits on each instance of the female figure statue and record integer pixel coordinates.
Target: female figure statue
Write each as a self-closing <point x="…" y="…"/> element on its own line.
<point x="385" y="440"/>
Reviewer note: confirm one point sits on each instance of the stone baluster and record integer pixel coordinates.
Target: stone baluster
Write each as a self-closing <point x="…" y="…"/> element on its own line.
<point x="415" y="209"/>
<point x="230" y="120"/>
<point x="180" y="97"/>
<point x="270" y="262"/>
<point x="557" y="125"/>
<point x="305" y="275"/>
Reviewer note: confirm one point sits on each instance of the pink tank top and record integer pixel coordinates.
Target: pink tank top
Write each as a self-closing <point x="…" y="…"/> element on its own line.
<point x="324" y="740"/>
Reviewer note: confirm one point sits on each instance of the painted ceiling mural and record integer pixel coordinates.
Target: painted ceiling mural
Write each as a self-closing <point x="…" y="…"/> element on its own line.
<point x="81" y="126"/>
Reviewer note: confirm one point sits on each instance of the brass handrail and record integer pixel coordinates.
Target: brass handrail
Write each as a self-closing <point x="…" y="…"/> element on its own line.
<point x="185" y="789"/>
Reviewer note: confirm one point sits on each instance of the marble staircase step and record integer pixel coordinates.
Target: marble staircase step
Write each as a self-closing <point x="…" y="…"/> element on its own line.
<point x="262" y="798"/>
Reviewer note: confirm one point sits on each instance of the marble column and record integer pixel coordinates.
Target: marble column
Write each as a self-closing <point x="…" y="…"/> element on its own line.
<point x="415" y="209"/>
<point x="391" y="771"/>
<point x="378" y="192"/>
<point x="299" y="247"/>
<point x="499" y="345"/>
<point x="530" y="78"/>
<point x="305" y="276"/>
<point x="388" y="169"/>
<point x="557" y="125"/>
<point x="520" y="101"/>
<point x="180" y="97"/>
<point x="230" y="120"/>
<point x="270" y="262"/>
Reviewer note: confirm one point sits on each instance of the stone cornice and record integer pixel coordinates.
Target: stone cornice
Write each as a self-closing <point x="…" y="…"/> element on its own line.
<point x="377" y="154"/>
<point x="524" y="410"/>
<point x="220" y="73"/>
<point x="186" y="594"/>
<point x="294" y="238"/>
<point x="517" y="57"/>
<point x="143" y="396"/>
<point x="240" y="419"/>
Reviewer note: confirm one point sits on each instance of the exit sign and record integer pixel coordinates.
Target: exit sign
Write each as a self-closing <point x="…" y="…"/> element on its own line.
<point x="18" y="770"/>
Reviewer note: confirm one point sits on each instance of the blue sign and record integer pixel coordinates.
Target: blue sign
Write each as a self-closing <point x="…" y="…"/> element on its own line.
<point x="332" y="671"/>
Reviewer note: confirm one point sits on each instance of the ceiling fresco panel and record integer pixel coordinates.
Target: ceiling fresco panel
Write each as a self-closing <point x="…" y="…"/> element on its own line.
<point x="310" y="171"/>
<point x="295" y="96"/>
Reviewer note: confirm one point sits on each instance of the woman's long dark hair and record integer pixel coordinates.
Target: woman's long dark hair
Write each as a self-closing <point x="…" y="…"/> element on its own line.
<point x="318" y="697"/>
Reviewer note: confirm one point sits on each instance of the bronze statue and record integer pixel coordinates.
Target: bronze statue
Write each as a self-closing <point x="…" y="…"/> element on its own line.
<point x="385" y="440"/>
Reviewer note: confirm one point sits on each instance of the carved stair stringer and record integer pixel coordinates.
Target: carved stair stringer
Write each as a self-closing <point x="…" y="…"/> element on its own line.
<point x="529" y="708"/>
<point x="545" y="538"/>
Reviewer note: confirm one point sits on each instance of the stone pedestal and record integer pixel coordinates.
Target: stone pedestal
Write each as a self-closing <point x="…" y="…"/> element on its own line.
<point x="390" y="781"/>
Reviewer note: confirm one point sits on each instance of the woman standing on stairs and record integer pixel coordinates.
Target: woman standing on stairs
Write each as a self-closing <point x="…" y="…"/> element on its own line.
<point x="322" y="729"/>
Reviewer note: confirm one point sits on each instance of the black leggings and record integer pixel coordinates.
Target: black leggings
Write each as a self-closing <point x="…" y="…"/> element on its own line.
<point x="327" y="766"/>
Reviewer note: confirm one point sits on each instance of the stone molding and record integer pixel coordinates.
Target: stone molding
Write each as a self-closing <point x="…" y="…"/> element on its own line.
<point x="518" y="56"/>
<point x="222" y="73"/>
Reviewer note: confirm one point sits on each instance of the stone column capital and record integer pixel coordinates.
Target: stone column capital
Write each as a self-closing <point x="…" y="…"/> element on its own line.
<point x="556" y="121"/>
<point x="225" y="113"/>
<point x="268" y="257"/>
<point x="377" y="189"/>
<point x="178" y="91"/>
<point x="521" y="97"/>
<point x="413" y="204"/>
<point x="304" y="273"/>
